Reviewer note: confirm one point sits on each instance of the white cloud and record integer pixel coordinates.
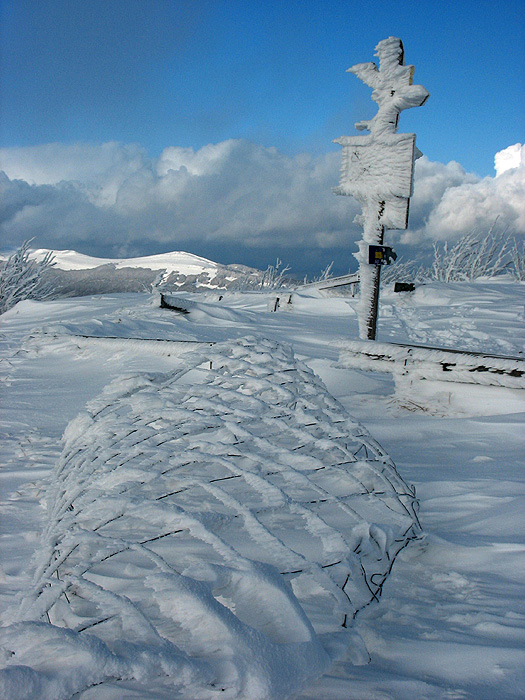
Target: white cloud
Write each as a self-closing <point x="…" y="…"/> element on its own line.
<point x="476" y="207"/>
<point x="474" y="204"/>
<point x="205" y="161"/>
<point x="232" y="197"/>
<point x="511" y="157"/>
<point x="100" y="169"/>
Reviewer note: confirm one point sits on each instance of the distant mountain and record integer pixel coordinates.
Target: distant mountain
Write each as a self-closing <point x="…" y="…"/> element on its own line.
<point x="177" y="261"/>
<point x="75" y="274"/>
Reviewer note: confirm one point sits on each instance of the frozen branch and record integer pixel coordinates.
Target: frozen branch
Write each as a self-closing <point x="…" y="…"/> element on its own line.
<point x="24" y="278"/>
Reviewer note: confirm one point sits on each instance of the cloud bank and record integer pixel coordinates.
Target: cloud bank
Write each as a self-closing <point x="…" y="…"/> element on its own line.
<point x="234" y="201"/>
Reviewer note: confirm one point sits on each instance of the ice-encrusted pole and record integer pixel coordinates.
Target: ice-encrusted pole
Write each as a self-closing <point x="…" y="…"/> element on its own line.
<point x="377" y="168"/>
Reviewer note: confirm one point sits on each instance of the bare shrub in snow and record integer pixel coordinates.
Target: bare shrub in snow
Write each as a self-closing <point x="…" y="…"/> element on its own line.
<point x="23" y="278"/>
<point x="470" y="258"/>
<point x="326" y="274"/>
<point x="517" y="256"/>
<point x="274" y="275"/>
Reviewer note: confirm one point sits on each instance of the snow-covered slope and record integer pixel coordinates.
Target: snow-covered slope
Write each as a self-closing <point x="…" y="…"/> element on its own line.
<point x="451" y="619"/>
<point x="177" y="261"/>
<point x="222" y="524"/>
<point x="75" y="274"/>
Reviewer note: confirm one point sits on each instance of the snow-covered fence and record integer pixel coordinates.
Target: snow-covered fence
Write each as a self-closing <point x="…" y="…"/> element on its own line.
<point x="212" y="529"/>
<point x="434" y="363"/>
<point x="281" y="301"/>
<point x="345" y="284"/>
<point x="350" y="282"/>
<point x="443" y="382"/>
<point x="153" y="346"/>
<point x="175" y="303"/>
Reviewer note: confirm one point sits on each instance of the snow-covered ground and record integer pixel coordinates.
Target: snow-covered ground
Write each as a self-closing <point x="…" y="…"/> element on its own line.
<point x="451" y="619"/>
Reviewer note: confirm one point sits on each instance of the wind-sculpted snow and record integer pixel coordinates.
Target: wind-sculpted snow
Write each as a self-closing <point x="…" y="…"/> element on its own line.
<point x="213" y="530"/>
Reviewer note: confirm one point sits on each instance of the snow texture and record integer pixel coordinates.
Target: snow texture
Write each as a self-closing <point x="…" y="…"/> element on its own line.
<point x="218" y="526"/>
<point x="451" y="619"/>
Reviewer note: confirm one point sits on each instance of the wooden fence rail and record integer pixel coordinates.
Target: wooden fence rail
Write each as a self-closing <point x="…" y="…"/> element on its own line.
<point x="441" y="364"/>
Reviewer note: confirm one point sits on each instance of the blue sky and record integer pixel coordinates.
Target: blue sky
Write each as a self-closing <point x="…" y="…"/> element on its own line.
<point x="182" y="73"/>
<point x="188" y="73"/>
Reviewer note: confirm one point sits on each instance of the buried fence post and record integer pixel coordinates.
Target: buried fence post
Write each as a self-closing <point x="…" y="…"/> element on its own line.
<point x="377" y="169"/>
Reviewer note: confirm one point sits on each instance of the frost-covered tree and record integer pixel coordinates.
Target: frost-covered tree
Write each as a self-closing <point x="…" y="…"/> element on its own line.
<point x="326" y="274"/>
<point x="22" y="277"/>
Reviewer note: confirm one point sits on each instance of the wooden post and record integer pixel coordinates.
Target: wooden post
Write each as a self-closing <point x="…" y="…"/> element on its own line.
<point x="370" y="275"/>
<point x="377" y="169"/>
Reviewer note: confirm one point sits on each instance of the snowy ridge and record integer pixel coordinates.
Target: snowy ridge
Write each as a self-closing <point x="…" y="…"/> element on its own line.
<point x="214" y="529"/>
<point x="74" y="274"/>
<point x="176" y="261"/>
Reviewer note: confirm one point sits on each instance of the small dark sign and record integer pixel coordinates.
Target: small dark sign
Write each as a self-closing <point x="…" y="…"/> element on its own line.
<point x="404" y="287"/>
<point x="380" y="255"/>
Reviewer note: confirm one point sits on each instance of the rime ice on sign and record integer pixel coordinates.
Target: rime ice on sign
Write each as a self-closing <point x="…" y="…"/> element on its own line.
<point x="380" y="167"/>
<point x="377" y="169"/>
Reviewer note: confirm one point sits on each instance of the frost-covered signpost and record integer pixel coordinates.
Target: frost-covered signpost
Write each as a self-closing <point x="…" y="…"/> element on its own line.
<point x="377" y="168"/>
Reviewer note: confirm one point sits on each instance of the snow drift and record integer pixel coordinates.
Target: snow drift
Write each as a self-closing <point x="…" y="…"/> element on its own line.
<point x="212" y="529"/>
